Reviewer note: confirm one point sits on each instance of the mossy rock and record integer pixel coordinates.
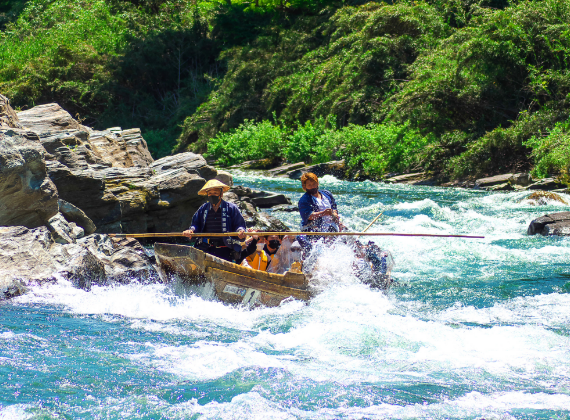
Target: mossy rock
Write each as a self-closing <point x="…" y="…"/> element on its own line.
<point x="542" y="197"/>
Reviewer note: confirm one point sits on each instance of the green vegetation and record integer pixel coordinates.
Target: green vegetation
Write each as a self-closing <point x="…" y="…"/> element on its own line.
<point x="459" y="87"/>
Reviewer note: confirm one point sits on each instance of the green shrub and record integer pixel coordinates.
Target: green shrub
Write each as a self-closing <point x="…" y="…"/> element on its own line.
<point x="249" y="141"/>
<point x="552" y="152"/>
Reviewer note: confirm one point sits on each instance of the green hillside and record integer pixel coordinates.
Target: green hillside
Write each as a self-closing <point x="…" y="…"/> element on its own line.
<point x="460" y="88"/>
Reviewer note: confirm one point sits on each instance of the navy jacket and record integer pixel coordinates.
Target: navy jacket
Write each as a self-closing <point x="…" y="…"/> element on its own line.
<point x="308" y="205"/>
<point x="232" y="220"/>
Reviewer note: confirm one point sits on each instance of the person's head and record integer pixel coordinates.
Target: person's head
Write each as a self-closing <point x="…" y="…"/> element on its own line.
<point x="214" y="190"/>
<point x="215" y="195"/>
<point x="273" y="242"/>
<point x="310" y="182"/>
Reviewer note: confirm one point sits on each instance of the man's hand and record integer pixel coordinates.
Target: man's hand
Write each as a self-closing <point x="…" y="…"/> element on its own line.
<point x="188" y="233"/>
<point x="241" y="234"/>
<point x="327" y="212"/>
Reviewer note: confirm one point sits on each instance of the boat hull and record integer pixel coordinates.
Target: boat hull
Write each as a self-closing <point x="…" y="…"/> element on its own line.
<point x="230" y="282"/>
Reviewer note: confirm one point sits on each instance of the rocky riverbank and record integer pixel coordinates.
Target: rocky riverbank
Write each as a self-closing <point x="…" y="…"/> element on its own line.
<point x="64" y="186"/>
<point x="503" y="182"/>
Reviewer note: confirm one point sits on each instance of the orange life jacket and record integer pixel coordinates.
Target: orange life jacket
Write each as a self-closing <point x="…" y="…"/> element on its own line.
<point x="258" y="260"/>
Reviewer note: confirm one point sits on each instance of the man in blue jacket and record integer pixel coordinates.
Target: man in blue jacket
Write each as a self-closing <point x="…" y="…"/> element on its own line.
<point x="217" y="216"/>
<point x="318" y="211"/>
<point x="318" y="208"/>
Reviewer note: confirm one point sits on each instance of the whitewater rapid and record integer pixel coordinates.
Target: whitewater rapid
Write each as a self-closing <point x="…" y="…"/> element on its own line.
<point x="476" y="329"/>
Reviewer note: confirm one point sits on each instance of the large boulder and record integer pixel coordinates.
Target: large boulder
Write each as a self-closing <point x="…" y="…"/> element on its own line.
<point x="32" y="256"/>
<point x="48" y="117"/>
<point x="27" y="196"/>
<point x="551" y="224"/>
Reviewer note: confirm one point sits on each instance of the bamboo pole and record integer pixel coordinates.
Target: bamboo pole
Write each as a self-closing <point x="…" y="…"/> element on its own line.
<point x="372" y="222"/>
<point x="223" y="235"/>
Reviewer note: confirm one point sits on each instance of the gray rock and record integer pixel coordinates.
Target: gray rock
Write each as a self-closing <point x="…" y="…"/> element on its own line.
<point x="280" y="170"/>
<point x="27" y="196"/>
<point x="85" y="269"/>
<point x="407" y="178"/>
<point x="48" y="117"/>
<point x="551" y="224"/>
<point x="493" y="180"/>
<point x="121" y="148"/>
<point x="522" y="179"/>
<point x="63" y="232"/>
<point x="336" y="168"/>
<point x="192" y="162"/>
<point x="269" y="200"/>
<point x="546" y="184"/>
<point x="225" y="178"/>
<point x="285" y="207"/>
<point x="25" y="256"/>
<point x="255" y="164"/>
<point x="123" y="261"/>
<point x="76" y="215"/>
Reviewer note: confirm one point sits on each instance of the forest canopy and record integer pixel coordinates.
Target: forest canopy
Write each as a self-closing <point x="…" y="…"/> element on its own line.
<point x="459" y="88"/>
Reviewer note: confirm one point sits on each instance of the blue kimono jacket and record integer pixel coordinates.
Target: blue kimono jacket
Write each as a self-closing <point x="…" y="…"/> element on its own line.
<point x="308" y="205"/>
<point x="232" y="220"/>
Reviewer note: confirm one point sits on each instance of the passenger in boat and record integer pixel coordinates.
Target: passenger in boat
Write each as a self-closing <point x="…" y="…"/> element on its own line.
<point x="272" y="245"/>
<point x="258" y="260"/>
<point x="217" y="216"/>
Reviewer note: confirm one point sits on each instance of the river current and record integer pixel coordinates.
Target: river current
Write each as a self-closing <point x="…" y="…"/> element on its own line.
<point x="476" y="328"/>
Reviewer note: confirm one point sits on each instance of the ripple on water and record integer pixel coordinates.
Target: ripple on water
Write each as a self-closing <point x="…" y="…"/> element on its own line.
<point x="480" y="329"/>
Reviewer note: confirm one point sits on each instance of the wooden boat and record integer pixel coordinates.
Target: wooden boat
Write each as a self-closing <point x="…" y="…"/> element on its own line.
<point x="231" y="283"/>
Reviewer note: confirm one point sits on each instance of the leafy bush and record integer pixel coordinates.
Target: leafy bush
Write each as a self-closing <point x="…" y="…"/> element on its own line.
<point x="375" y="149"/>
<point x="249" y="141"/>
<point x="552" y="152"/>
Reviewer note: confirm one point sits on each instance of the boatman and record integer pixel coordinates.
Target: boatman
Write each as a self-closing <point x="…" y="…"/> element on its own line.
<point x="217" y="216"/>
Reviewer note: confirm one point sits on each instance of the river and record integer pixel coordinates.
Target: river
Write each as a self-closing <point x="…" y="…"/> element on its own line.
<point x="476" y="329"/>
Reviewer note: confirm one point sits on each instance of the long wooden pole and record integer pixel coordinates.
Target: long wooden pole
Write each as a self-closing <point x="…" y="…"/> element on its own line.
<point x="223" y="235"/>
<point x="372" y="222"/>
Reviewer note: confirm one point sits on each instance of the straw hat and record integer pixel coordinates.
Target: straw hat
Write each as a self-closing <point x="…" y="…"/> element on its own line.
<point x="211" y="184"/>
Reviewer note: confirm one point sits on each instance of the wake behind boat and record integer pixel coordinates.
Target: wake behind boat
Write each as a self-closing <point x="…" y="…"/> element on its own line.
<point x="230" y="282"/>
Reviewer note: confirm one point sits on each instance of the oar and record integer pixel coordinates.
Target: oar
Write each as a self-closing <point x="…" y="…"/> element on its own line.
<point x="223" y="235"/>
<point x="372" y="222"/>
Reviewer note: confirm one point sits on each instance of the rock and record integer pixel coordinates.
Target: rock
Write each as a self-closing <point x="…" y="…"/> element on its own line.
<point x="542" y="198"/>
<point x="85" y="269"/>
<point x="285" y="207"/>
<point x="522" y="179"/>
<point x="123" y="261"/>
<point x="121" y="148"/>
<point x="27" y="196"/>
<point x="62" y="231"/>
<point x="501" y="187"/>
<point x="551" y="224"/>
<point x="336" y="168"/>
<point x="546" y="184"/>
<point x="256" y="164"/>
<point x="76" y="215"/>
<point x="25" y="256"/>
<point x="417" y="178"/>
<point x="280" y="170"/>
<point x="493" y="180"/>
<point x="48" y="117"/>
<point x="225" y="177"/>
<point x="270" y="200"/>
<point x="8" y="117"/>
<point x="193" y="163"/>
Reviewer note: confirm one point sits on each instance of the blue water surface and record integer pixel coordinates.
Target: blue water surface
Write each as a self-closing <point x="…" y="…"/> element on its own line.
<point x="476" y="329"/>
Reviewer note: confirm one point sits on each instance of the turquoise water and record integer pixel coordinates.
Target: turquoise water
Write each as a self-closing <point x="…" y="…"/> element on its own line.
<point x="477" y="329"/>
